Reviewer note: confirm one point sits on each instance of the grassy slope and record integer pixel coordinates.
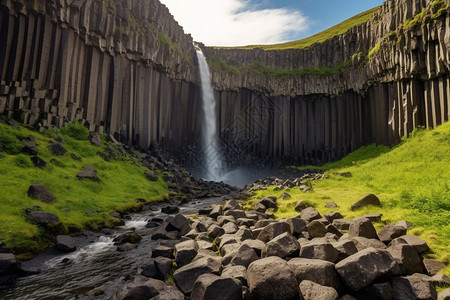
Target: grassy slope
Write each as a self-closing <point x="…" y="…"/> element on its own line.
<point x="122" y="182"/>
<point x="317" y="38"/>
<point x="412" y="181"/>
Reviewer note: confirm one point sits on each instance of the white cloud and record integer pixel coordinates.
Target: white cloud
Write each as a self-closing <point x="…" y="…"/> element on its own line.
<point x="235" y="22"/>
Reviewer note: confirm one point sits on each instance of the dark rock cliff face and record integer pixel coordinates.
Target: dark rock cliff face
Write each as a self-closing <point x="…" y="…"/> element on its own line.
<point x="123" y="66"/>
<point x="126" y="67"/>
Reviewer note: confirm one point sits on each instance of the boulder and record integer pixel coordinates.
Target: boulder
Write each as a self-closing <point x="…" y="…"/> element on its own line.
<point x="185" y="252"/>
<point x="65" y="243"/>
<point x="272" y="230"/>
<point x="362" y="227"/>
<point x="179" y="223"/>
<point x="297" y="226"/>
<point x="420" y="245"/>
<point x="263" y="223"/>
<point x="151" y="175"/>
<point x="244" y="256"/>
<point x="29" y="147"/>
<point x="313" y="291"/>
<point x="38" y="162"/>
<point x="215" y="231"/>
<point x="404" y="224"/>
<point x="316" y="270"/>
<point x="319" y="250"/>
<point x="57" y="149"/>
<point x="301" y="205"/>
<point x="126" y="247"/>
<point x="152" y="271"/>
<point x="256" y="245"/>
<point x="433" y="266"/>
<point x="309" y="214"/>
<point x="8" y="262"/>
<point x="370" y="199"/>
<point x="361" y="269"/>
<point x="222" y="220"/>
<point x="40" y="192"/>
<point x="341" y="224"/>
<point x="413" y="287"/>
<point x="444" y="295"/>
<point x="162" y="251"/>
<point x="259" y="207"/>
<point x="170" y="209"/>
<point x="245" y="222"/>
<point x="236" y="214"/>
<point x="316" y="229"/>
<point x="271" y="279"/>
<point x="390" y="232"/>
<point x="42" y="218"/>
<point x="128" y="237"/>
<point x="95" y="139"/>
<point x="231" y="205"/>
<point x="344" y="249"/>
<point x="186" y="276"/>
<point x="363" y="243"/>
<point x="210" y="286"/>
<point x="407" y="254"/>
<point x="333" y="230"/>
<point x="333" y="216"/>
<point x="88" y="172"/>
<point x="376" y="291"/>
<point x="285" y="196"/>
<point x="244" y="234"/>
<point x="164" y="266"/>
<point x="216" y="211"/>
<point x="238" y="272"/>
<point x="230" y="228"/>
<point x="283" y="245"/>
<point x="269" y="202"/>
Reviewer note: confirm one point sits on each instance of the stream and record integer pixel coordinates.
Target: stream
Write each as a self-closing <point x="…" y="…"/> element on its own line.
<point x="96" y="265"/>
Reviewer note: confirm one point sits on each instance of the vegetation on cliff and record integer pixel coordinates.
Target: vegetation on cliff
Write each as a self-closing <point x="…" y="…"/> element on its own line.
<point x="412" y="181"/>
<point x="79" y="203"/>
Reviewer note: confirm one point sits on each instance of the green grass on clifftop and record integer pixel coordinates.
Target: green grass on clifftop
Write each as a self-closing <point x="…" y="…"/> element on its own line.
<point x="317" y="38"/>
<point x="122" y="182"/>
<point x="412" y="181"/>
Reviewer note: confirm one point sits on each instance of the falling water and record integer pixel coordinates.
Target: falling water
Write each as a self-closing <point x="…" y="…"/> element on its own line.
<point x="211" y="151"/>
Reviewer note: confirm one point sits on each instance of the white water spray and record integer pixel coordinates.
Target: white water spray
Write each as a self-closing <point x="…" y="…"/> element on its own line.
<point x="213" y="162"/>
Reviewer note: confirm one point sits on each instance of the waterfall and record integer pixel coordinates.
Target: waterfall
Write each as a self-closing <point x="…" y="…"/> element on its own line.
<point x="210" y="141"/>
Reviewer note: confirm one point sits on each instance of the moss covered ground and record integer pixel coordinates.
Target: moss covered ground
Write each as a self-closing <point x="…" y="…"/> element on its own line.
<point x="79" y="203"/>
<point x="412" y="181"/>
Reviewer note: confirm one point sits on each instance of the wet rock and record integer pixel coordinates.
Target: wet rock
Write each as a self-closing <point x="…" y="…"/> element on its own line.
<point x="272" y="230"/>
<point x="42" y="218"/>
<point x="38" y="162"/>
<point x="57" y="149"/>
<point x="283" y="245"/>
<point x="313" y="291"/>
<point x="151" y="224"/>
<point x="390" y="232"/>
<point x="126" y="247"/>
<point x="88" y="172"/>
<point x="94" y="138"/>
<point x="433" y="266"/>
<point x="377" y="291"/>
<point x="185" y="252"/>
<point x="170" y="209"/>
<point x="361" y="269"/>
<point x="319" y="271"/>
<point x="152" y="271"/>
<point x="151" y="175"/>
<point x="179" y="223"/>
<point x="413" y="287"/>
<point x="362" y="227"/>
<point x="310" y="214"/>
<point x="210" y="286"/>
<point x="407" y="254"/>
<point x="186" y="276"/>
<point x="8" y="262"/>
<point x="271" y="279"/>
<point x="65" y="243"/>
<point x="370" y="199"/>
<point x="316" y="229"/>
<point x="40" y="192"/>
<point x="129" y="237"/>
<point x="319" y="250"/>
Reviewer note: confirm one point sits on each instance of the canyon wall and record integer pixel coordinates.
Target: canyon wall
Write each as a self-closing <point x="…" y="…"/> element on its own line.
<point x="373" y="84"/>
<point x="127" y="68"/>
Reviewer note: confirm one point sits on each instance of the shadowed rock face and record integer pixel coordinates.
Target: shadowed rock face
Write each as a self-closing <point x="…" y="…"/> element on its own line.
<point x="127" y="67"/>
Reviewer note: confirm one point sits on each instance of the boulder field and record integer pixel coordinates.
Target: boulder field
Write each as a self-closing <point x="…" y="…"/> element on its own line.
<point x="226" y="252"/>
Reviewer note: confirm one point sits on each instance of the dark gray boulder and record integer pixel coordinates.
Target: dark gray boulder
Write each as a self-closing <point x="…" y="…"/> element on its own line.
<point x="319" y="271"/>
<point x="413" y="287"/>
<point x="341" y="224"/>
<point x="65" y="243"/>
<point x="269" y="202"/>
<point x="344" y="248"/>
<point x="185" y="252"/>
<point x="271" y="279"/>
<point x="216" y="211"/>
<point x="57" y="149"/>
<point x="161" y="250"/>
<point x="444" y="295"/>
<point x="42" y="218"/>
<point x="88" y="172"/>
<point x="272" y="230"/>
<point x="210" y="286"/>
<point x="363" y="268"/>
<point x="231" y="205"/>
<point x="319" y="249"/>
<point x="390" y="232"/>
<point x="94" y="138"/>
<point x="297" y="226"/>
<point x="362" y="227"/>
<point x="164" y="266"/>
<point x="309" y="214"/>
<point x="433" y="266"/>
<point x="420" y="245"/>
<point x="236" y="214"/>
<point x="316" y="229"/>
<point x="29" y="147"/>
<point x="40" y="192"/>
<point x="333" y="216"/>
<point x="38" y="162"/>
<point x="186" y="276"/>
<point x="363" y="243"/>
<point x="170" y="209"/>
<point x="283" y="245"/>
<point x="244" y="256"/>
<point x="179" y="223"/>
<point x="237" y="272"/>
<point x="376" y="291"/>
<point x="215" y="231"/>
<point x="313" y="291"/>
<point x="407" y="254"/>
<point x="370" y="199"/>
<point x="8" y="262"/>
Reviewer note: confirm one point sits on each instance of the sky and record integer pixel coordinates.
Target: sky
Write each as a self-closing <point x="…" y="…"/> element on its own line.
<point x="256" y="22"/>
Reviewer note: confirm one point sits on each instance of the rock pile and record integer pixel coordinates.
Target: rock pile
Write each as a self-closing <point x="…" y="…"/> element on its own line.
<point x="229" y="253"/>
<point x="301" y="182"/>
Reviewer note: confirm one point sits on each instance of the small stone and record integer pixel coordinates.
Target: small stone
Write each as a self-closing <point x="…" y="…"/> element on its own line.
<point x="370" y="199"/>
<point x="88" y="172"/>
<point x="330" y="205"/>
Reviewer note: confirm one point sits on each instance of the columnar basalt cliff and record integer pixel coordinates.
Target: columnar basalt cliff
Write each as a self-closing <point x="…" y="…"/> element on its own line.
<point x="126" y="67"/>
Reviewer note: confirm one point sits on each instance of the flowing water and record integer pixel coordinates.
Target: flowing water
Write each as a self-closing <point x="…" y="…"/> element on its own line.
<point x="213" y="164"/>
<point x="95" y="265"/>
